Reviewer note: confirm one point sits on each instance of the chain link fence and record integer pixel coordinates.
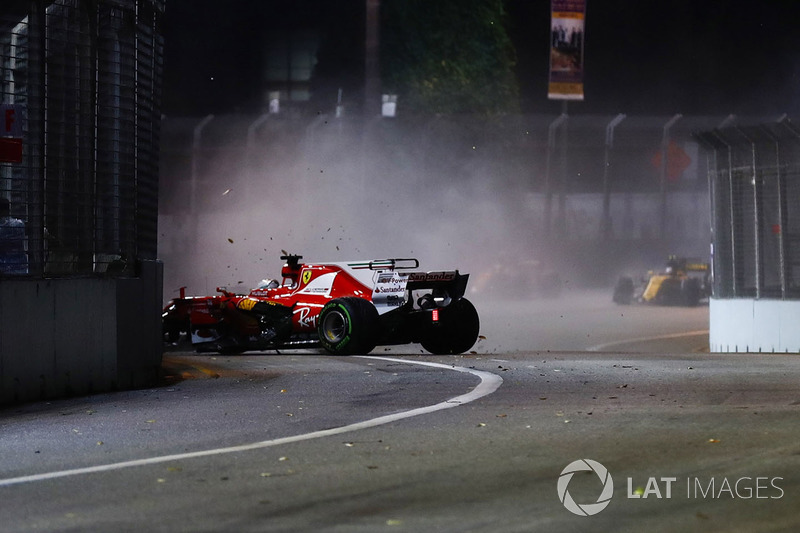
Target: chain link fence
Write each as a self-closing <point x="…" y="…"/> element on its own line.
<point x="754" y="175"/>
<point x="83" y="80"/>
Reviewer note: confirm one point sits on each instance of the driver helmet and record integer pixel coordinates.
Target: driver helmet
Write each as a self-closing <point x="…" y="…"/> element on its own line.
<point x="268" y="284"/>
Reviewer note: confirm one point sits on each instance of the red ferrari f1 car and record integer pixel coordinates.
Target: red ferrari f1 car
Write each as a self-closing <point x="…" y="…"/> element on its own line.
<point x="347" y="308"/>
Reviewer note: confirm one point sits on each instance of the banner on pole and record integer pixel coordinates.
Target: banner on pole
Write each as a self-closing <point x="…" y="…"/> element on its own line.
<point x="10" y="150"/>
<point x="567" y="24"/>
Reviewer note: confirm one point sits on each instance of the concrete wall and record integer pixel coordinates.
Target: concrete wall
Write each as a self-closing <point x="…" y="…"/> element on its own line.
<point x="745" y="325"/>
<point x="63" y="337"/>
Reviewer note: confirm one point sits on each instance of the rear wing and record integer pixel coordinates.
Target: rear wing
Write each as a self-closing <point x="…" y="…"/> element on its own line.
<point x="697" y="267"/>
<point x="452" y="281"/>
<point x="392" y="277"/>
<point x="688" y="264"/>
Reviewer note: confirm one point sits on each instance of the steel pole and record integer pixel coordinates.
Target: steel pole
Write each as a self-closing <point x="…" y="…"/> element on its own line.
<point x="755" y="182"/>
<point x="192" y="224"/>
<point x="664" y="151"/>
<point x="781" y="193"/>
<point x="562" y="190"/>
<point x="197" y="135"/>
<point x="783" y="199"/>
<point x="548" y="191"/>
<point x="372" y="75"/>
<point x="607" y="223"/>
<point x="250" y="158"/>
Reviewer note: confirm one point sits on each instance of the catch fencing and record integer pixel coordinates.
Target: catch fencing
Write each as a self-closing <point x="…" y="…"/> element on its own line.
<point x="754" y="174"/>
<point x="83" y="80"/>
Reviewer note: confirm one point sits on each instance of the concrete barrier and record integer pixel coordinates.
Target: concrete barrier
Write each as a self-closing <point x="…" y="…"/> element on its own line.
<point x="65" y="337"/>
<point x="749" y="325"/>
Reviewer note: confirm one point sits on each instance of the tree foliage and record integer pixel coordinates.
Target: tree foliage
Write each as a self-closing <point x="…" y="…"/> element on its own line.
<point x="448" y="56"/>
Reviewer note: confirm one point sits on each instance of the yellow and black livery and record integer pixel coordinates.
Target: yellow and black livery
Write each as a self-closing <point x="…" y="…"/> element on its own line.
<point x="683" y="282"/>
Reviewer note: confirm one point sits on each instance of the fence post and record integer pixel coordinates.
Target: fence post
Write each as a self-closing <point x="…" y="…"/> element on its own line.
<point x="664" y="151"/>
<point x="783" y="216"/>
<point x="192" y="219"/>
<point x="548" y="191"/>
<point x="754" y="181"/>
<point x="606" y="228"/>
<point x="197" y="134"/>
<point x="250" y="153"/>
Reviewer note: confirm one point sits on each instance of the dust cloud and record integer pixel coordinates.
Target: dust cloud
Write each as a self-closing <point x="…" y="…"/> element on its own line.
<point x="335" y="195"/>
<point x="456" y="195"/>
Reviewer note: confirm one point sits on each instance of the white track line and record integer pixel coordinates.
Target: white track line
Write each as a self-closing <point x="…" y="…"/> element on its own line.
<point x="602" y="347"/>
<point x="489" y="383"/>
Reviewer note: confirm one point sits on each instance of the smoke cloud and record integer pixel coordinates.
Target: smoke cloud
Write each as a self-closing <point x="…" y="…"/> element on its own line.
<point x="463" y="193"/>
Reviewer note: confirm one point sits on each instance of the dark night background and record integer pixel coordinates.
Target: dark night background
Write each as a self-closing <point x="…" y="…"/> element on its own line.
<point x="683" y="56"/>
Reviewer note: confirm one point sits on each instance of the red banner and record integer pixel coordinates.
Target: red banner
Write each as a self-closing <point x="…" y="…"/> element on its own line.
<point x="567" y="24"/>
<point x="10" y="150"/>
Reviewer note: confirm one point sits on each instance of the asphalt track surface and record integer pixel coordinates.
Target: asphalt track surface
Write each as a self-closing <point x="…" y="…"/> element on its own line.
<point x="403" y="441"/>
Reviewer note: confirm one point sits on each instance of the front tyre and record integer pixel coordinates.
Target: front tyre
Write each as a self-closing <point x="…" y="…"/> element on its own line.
<point x="456" y="331"/>
<point x="348" y="326"/>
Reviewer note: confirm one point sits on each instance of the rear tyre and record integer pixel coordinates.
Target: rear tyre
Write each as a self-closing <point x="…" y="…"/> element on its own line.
<point x="456" y="331"/>
<point x="348" y="326"/>
<point x="691" y="290"/>
<point x="623" y="291"/>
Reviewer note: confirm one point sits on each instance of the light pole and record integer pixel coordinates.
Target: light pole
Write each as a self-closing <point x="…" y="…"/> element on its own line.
<point x="372" y="74"/>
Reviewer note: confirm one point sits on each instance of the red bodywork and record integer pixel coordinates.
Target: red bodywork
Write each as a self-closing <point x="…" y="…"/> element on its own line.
<point x="292" y="293"/>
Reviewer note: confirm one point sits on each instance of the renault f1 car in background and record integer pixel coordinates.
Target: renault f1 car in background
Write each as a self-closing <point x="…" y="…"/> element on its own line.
<point x="347" y="308"/>
<point x="684" y="282"/>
